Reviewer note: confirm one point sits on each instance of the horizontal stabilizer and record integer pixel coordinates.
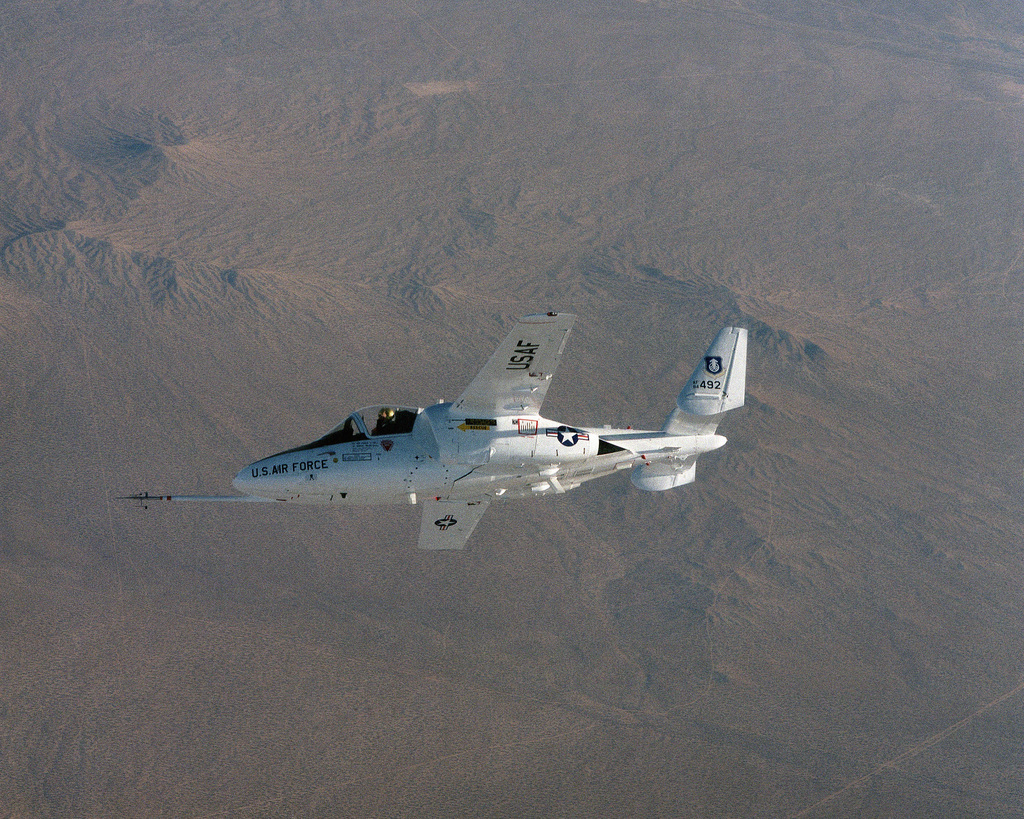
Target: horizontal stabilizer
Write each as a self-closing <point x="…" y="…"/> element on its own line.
<point x="657" y="477"/>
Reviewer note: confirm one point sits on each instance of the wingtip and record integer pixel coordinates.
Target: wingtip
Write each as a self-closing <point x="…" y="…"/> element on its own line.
<point x="547" y="318"/>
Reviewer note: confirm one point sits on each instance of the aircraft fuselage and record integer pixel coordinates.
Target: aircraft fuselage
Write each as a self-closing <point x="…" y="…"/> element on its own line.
<point x="449" y="457"/>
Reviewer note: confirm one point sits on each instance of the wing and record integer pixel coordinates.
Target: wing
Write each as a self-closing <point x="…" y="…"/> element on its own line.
<point x="516" y="378"/>
<point x="448" y="524"/>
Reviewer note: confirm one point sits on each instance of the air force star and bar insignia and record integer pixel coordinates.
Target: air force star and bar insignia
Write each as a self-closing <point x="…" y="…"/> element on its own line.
<point x="567" y="436"/>
<point x="713" y="364"/>
<point x="445" y="523"/>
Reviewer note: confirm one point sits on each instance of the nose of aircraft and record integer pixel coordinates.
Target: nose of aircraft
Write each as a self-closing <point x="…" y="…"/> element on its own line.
<point x="243" y="480"/>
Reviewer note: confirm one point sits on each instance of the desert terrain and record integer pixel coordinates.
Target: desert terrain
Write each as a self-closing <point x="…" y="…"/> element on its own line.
<point x="225" y="225"/>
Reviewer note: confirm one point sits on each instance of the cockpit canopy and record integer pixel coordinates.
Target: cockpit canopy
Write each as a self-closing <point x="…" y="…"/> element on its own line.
<point x="375" y="421"/>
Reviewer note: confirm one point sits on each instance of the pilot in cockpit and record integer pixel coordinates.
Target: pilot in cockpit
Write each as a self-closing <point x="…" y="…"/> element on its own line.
<point x="385" y="422"/>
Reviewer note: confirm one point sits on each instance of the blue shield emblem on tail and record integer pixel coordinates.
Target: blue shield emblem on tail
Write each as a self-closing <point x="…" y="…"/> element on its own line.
<point x="713" y="364"/>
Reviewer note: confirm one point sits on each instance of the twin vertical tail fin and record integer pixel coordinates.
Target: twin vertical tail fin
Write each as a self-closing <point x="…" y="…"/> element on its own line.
<point x="717" y="385"/>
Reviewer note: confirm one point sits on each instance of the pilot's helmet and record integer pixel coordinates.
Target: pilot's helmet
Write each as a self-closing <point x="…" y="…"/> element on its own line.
<point x="387" y="413"/>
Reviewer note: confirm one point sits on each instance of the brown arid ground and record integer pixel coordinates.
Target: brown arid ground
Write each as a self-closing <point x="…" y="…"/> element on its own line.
<point x="224" y="225"/>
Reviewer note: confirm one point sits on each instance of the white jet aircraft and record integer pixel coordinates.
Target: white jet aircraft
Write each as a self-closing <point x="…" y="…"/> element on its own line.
<point x="492" y="442"/>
